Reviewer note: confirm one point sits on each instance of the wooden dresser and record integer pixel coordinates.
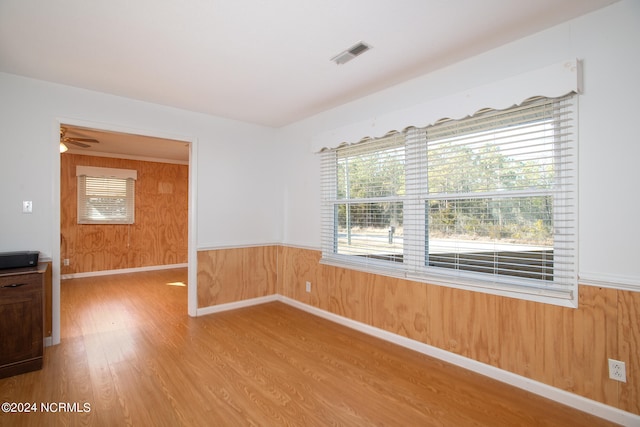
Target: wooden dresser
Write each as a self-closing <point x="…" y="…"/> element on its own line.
<point x="21" y="320"/>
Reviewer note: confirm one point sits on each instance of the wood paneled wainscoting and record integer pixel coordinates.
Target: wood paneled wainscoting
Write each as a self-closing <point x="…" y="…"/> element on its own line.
<point x="564" y="348"/>
<point x="236" y="274"/>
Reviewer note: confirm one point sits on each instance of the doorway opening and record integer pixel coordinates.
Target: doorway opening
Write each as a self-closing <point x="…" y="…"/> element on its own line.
<point x="162" y="235"/>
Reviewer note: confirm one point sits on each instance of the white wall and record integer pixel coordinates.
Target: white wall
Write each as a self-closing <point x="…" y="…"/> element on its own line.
<point x="239" y="198"/>
<point x="609" y="143"/>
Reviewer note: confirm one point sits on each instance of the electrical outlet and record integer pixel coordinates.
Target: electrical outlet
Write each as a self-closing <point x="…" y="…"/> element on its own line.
<point x="308" y="286"/>
<point x="617" y="370"/>
<point x="65" y="262"/>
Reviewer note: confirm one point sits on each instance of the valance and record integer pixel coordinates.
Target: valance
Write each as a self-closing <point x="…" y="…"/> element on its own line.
<point x="552" y="81"/>
<point x="98" y="172"/>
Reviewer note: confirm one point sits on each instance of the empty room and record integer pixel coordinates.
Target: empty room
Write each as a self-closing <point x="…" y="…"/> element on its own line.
<point x="319" y="213"/>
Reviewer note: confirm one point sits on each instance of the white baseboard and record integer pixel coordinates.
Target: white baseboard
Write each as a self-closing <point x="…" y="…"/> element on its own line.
<point x="122" y="271"/>
<point x="570" y="399"/>
<point x="234" y="305"/>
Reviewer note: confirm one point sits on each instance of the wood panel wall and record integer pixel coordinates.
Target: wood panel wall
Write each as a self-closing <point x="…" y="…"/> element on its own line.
<point x="231" y="275"/>
<point x="159" y="235"/>
<point x="563" y="347"/>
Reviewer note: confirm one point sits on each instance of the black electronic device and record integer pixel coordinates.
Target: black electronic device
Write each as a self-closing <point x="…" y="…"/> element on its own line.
<point x="18" y="259"/>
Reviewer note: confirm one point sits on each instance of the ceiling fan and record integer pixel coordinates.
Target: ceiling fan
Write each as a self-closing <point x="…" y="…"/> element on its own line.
<point x="79" y="142"/>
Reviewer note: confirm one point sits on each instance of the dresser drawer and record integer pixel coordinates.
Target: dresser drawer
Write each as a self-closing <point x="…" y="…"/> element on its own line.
<point x="11" y="286"/>
<point x="21" y="323"/>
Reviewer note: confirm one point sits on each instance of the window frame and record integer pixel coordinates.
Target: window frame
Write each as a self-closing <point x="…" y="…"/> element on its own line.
<point x="126" y="177"/>
<point x="415" y="265"/>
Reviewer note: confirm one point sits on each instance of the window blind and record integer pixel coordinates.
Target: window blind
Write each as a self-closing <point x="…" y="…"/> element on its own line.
<point x="106" y="200"/>
<point x="488" y="201"/>
<point x="364" y="191"/>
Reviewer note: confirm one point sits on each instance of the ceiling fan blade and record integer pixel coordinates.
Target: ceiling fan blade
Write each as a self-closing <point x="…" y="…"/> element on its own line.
<point x="79" y="144"/>
<point x="83" y="140"/>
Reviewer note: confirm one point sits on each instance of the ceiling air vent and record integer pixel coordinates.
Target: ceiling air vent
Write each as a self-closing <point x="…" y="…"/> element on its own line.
<point x="347" y="55"/>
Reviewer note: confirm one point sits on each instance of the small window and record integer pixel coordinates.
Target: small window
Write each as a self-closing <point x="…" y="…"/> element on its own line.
<point x="105" y="195"/>
<point x="370" y="195"/>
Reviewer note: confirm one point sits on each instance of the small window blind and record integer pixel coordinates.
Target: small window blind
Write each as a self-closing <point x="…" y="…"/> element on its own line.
<point x="108" y="198"/>
<point x="364" y="186"/>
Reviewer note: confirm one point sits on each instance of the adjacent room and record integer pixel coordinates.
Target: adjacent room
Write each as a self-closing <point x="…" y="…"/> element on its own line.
<point x="319" y="213"/>
<point x="123" y="202"/>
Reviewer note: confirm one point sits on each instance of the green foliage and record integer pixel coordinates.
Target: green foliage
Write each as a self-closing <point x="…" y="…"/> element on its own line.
<point x="370" y="176"/>
<point x="514" y="220"/>
<point x="452" y="169"/>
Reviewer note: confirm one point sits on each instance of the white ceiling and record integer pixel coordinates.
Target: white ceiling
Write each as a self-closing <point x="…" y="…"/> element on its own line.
<point x="258" y="61"/>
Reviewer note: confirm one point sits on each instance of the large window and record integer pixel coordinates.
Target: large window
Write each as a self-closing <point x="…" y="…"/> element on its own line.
<point x="488" y="202"/>
<point x="105" y="195"/>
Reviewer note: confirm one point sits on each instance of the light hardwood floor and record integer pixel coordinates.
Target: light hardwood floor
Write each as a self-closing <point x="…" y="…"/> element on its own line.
<point x="132" y="354"/>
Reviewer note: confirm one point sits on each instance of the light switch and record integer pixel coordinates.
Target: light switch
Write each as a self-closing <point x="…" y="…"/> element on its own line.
<point x="27" y="206"/>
